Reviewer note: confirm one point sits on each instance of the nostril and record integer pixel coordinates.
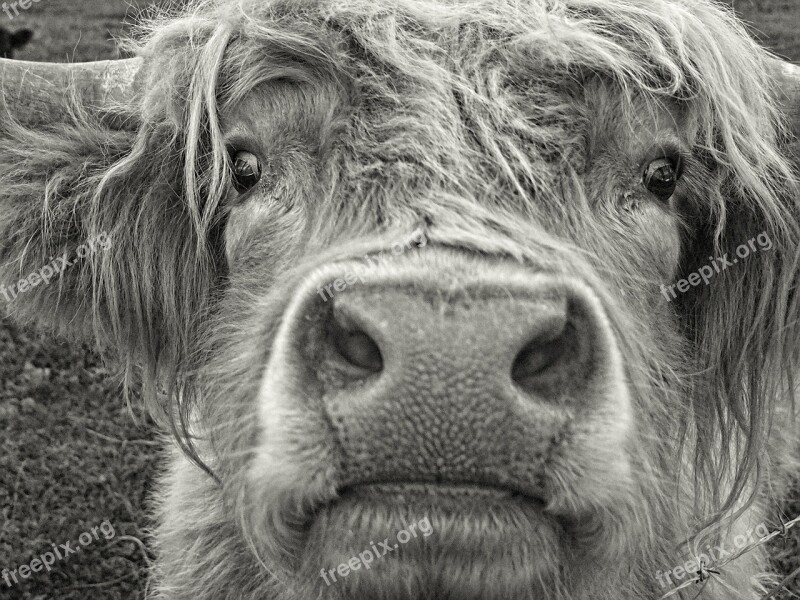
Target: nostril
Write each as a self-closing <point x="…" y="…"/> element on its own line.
<point x="355" y="346"/>
<point x="549" y="361"/>
<point x="536" y="357"/>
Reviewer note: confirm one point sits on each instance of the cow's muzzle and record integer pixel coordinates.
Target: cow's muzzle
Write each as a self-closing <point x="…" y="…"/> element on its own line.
<point x="444" y="369"/>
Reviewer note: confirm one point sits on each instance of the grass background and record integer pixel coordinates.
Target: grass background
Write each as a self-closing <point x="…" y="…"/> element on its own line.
<point x="70" y="455"/>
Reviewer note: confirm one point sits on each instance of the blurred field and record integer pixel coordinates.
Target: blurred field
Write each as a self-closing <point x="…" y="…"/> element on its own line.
<point x="70" y="456"/>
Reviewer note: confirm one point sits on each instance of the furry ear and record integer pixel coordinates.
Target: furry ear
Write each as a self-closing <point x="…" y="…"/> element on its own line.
<point x="103" y="235"/>
<point x="745" y="322"/>
<point x="97" y="255"/>
<point x="46" y="177"/>
<point x="20" y="38"/>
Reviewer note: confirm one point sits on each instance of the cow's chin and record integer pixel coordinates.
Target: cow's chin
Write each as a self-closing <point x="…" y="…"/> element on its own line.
<point x="430" y="541"/>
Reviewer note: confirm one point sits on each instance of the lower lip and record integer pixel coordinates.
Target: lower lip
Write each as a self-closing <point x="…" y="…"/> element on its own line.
<point x="467" y="529"/>
<point x="461" y="515"/>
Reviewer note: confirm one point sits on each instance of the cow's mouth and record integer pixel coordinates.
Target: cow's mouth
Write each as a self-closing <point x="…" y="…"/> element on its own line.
<point x="439" y="537"/>
<point x="424" y="491"/>
<point x="383" y="508"/>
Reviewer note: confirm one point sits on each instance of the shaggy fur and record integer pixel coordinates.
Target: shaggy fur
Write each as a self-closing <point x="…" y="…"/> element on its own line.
<point x="514" y="134"/>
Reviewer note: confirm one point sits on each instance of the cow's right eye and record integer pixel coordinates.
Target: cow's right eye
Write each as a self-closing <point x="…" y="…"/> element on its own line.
<point x="661" y="176"/>
<point x="246" y="170"/>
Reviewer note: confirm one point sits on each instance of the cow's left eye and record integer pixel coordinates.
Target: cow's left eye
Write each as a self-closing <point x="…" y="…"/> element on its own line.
<point x="661" y="177"/>
<point x="246" y="170"/>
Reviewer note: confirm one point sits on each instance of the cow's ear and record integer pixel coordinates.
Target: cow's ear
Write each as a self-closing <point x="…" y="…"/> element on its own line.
<point x="53" y="155"/>
<point x="47" y="245"/>
<point x="20" y="38"/>
<point x="97" y="238"/>
<point x="744" y="323"/>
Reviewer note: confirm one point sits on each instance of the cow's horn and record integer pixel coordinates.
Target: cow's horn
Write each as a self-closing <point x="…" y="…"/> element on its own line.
<point x="787" y="77"/>
<point x="38" y="92"/>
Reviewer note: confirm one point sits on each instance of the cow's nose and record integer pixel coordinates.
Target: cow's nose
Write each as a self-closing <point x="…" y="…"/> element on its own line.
<point x="444" y="369"/>
<point x="538" y="340"/>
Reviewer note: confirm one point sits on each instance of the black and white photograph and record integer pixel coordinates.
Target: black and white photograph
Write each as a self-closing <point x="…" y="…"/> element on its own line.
<point x="399" y="299"/>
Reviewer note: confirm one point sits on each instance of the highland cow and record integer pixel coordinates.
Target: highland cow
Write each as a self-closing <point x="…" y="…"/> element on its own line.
<point x="518" y="382"/>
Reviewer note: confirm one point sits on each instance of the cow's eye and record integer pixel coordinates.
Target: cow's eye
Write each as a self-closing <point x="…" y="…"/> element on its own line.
<point x="246" y="170"/>
<point x="661" y="177"/>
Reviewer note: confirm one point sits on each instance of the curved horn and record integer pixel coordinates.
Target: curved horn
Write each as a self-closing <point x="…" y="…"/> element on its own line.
<point x="787" y="77"/>
<point x="38" y="92"/>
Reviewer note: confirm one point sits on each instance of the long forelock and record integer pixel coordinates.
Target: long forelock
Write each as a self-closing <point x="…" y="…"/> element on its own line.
<point x="463" y="72"/>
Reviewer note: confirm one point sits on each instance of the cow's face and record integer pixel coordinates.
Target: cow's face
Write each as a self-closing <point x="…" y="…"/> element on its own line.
<point x="437" y="253"/>
<point x="449" y="299"/>
<point x="11" y="41"/>
<point x="484" y="362"/>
